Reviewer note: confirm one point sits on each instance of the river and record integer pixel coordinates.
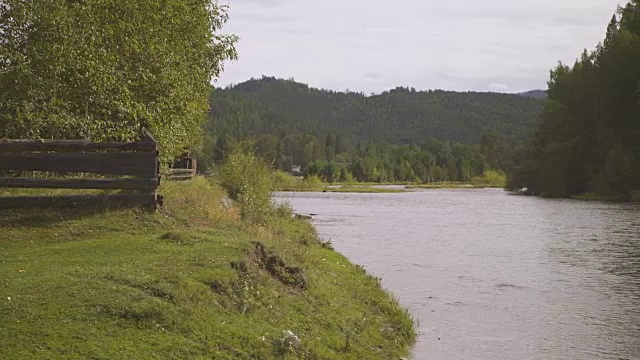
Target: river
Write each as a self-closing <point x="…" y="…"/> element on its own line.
<point x="493" y="276"/>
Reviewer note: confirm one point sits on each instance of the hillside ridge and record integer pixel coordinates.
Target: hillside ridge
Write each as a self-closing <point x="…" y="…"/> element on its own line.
<point x="400" y="116"/>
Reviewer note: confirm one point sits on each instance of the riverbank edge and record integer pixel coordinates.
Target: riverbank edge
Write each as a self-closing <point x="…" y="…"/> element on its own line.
<point x="454" y="186"/>
<point x="378" y="188"/>
<point x="190" y="281"/>
<point x="288" y="183"/>
<point x="635" y="197"/>
<point x="346" y="189"/>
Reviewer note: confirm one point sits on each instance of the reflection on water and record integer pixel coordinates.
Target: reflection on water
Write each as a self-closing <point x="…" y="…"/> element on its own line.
<point x="493" y="276"/>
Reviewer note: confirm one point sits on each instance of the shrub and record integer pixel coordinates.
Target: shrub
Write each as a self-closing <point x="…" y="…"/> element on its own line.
<point x="249" y="180"/>
<point x="283" y="180"/>
<point x="313" y="182"/>
<point x="490" y="178"/>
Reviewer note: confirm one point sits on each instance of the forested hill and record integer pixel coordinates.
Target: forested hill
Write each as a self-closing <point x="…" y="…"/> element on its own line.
<point x="399" y="116"/>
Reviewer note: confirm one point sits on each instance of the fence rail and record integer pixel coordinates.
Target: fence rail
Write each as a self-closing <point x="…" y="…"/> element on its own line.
<point x="138" y="160"/>
<point x="18" y="146"/>
<point x="183" y="168"/>
<point x="125" y="163"/>
<point x="125" y="184"/>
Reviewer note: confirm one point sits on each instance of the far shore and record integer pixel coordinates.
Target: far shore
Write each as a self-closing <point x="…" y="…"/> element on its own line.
<point x="345" y="189"/>
<point x="382" y="188"/>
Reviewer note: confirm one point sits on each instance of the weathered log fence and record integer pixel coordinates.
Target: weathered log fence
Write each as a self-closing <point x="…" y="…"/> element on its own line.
<point x="135" y="163"/>
<point x="183" y="168"/>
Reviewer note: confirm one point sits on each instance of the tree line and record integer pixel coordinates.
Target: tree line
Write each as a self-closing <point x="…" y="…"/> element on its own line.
<point x="399" y="135"/>
<point x="589" y="137"/>
<point x="433" y="161"/>
<point x="334" y="158"/>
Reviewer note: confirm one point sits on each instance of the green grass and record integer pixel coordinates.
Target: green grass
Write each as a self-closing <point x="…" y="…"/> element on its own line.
<point x="183" y="283"/>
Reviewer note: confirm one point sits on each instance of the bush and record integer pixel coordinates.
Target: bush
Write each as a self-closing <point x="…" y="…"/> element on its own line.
<point x="249" y="180"/>
<point x="490" y="178"/>
<point x="313" y="182"/>
<point x="283" y="180"/>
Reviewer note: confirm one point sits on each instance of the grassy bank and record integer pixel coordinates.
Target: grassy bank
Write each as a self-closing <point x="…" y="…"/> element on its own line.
<point x="363" y="189"/>
<point x="343" y="189"/>
<point x="442" y="185"/>
<point x="284" y="182"/>
<point x="488" y="179"/>
<point x="191" y="281"/>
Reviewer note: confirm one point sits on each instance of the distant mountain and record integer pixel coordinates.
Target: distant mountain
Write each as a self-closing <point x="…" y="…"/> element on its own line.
<point x="536" y="94"/>
<point x="398" y="116"/>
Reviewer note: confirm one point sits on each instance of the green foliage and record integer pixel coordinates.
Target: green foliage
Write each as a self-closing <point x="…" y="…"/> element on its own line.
<point x="588" y="139"/>
<point x="103" y="69"/>
<point x="286" y="182"/>
<point x="434" y="161"/>
<point x="283" y="180"/>
<point x="346" y="176"/>
<point x="251" y="181"/>
<point x="328" y="171"/>
<point x="490" y="178"/>
<point x="618" y="171"/>
<point x="313" y="182"/>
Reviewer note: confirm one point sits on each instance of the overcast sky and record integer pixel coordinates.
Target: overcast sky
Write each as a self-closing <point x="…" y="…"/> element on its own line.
<point x="374" y="45"/>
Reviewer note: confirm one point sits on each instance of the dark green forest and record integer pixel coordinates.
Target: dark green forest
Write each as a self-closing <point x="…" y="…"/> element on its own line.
<point x="398" y="116"/>
<point x="589" y="137"/>
<point x="399" y="135"/>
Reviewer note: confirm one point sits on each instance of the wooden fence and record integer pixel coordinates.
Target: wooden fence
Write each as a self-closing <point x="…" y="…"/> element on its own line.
<point x="183" y="168"/>
<point x="138" y="161"/>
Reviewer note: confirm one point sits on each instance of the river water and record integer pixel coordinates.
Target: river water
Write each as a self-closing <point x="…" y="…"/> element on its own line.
<point x="495" y="276"/>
